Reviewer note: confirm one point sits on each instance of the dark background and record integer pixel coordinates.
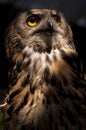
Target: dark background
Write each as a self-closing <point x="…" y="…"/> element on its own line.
<point x="73" y="10"/>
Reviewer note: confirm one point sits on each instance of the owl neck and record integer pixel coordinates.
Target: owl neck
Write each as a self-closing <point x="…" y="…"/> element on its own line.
<point x="53" y="69"/>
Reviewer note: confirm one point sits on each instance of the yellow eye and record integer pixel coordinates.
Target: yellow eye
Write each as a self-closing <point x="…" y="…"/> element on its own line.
<point x="58" y="23"/>
<point x="33" y="20"/>
<point x="32" y="24"/>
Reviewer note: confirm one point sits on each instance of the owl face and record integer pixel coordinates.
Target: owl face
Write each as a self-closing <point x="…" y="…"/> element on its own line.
<point x="43" y="30"/>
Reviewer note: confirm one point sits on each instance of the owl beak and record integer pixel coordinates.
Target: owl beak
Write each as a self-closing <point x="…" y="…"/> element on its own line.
<point x="49" y="29"/>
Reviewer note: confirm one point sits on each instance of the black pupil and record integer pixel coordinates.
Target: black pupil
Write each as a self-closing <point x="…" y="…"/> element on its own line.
<point x="33" y="18"/>
<point x="57" y="18"/>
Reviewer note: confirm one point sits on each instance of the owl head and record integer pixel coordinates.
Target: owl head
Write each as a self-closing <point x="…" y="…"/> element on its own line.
<point x="42" y="30"/>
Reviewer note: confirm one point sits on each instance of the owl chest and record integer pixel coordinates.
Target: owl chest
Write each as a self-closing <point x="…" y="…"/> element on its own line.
<point x="41" y="66"/>
<point x="42" y="71"/>
<point x="39" y="92"/>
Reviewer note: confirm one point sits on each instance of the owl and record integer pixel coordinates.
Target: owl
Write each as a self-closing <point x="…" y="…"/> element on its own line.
<point x="47" y="87"/>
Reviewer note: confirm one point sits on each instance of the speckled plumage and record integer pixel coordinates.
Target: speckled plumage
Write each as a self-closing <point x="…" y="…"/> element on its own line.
<point x="46" y="79"/>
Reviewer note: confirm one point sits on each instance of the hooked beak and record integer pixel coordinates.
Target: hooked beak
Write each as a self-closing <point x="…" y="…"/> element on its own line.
<point x="48" y="30"/>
